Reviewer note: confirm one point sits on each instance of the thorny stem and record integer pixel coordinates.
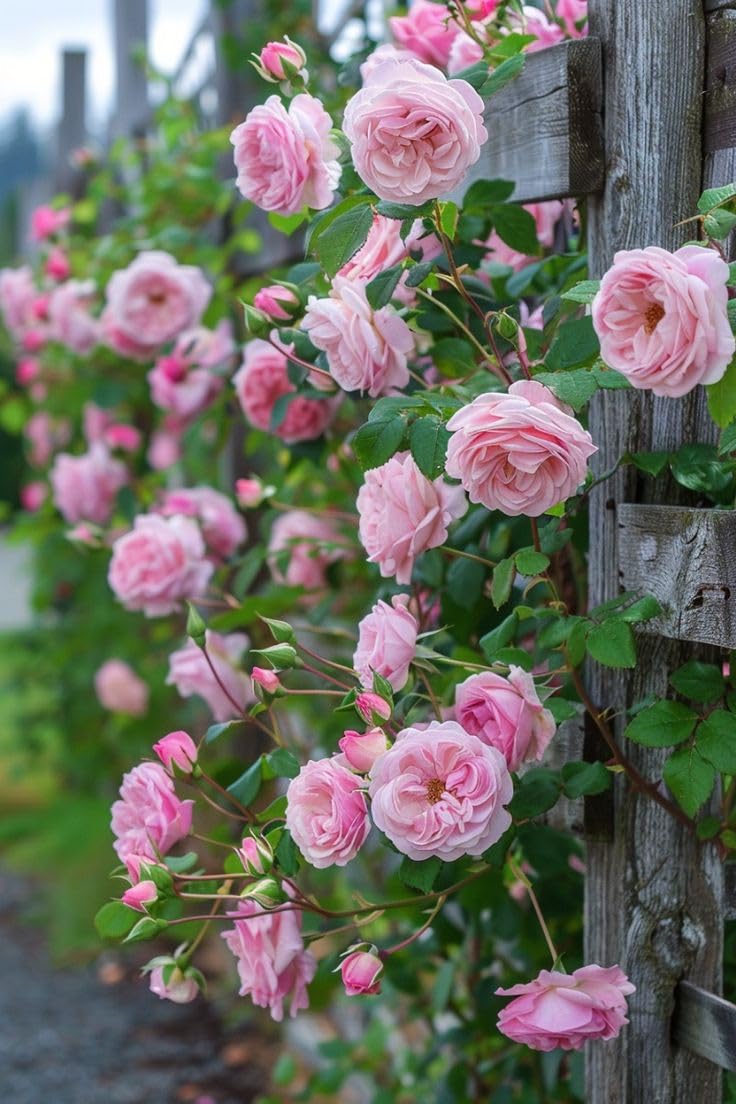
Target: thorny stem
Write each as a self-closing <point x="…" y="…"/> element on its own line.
<point x="327" y="662"/>
<point x="415" y="935"/>
<point x="328" y="678"/>
<point x="236" y="705"/>
<point x="521" y="876"/>
<point x="466" y="555"/>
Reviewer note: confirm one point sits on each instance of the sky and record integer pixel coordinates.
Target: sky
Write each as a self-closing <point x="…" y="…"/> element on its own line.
<point x="33" y="32"/>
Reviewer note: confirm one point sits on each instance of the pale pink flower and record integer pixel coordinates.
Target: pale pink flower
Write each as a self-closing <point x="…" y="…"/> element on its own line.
<point x="385" y="52"/>
<point x="361" y="749"/>
<point x="662" y="318"/>
<point x="402" y="514"/>
<point x="572" y="13"/>
<point x="70" y="320"/>
<point x="566" y="1010"/>
<point x="249" y="493"/>
<point x="149" y="818"/>
<point x="158" y="564"/>
<point x="223" y="529"/>
<point x="44" y="435"/>
<point x="57" y="265"/>
<point x="427" y="32"/>
<point x="181" y="389"/>
<point x="387" y="642"/>
<point x="17" y="299"/>
<point x="140" y="895"/>
<point x="327" y="813"/>
<point x="273" y="55"/>
<point x="47" y="221"/>
<point x="464" y="52"/>
<point x="414" y="134"/>
<point x="33" y="495"/>
<point x="262" y="380"/>
<point x="505" y="713"/>
<point x="124" y="437"/>
<point x="165" y="447"/>
<point x="120" y="689"/>
<point x="286" y="159"/>
<point x="229" y="694"/>
<point x="384" y="248"/>
<point x="360" y="972"/>
<point x="177" y="749"/>
<point x="276" y="301"/>
<point x="179" y="988"/>
<point x="95" y="422"/>
<point x="520" y="452"/>
<point x="441" y="792"/>
<point x="535" y="22"/>
<point x="310" y="542"/>
<point x="85" y="487"/>
<point x="546" y="216"/>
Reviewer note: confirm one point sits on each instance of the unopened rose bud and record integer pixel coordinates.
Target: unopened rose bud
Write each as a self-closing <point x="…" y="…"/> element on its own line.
<point x="267" y="893"/>
<point x="267" y="680"/>
<point x="256" y="855"/>
<point x="178" y="748"/>
<point x="140" y="895"/>
<point x="57" y="265"/>
<point x="27" y="371"/>
<point x="133" y="865"/>
<point x="125" y="437"/>
<point x="280" y="61"/>
<point x="249" y="493"/>
<point x="170" y="982"/>
<point x="46" y="221"/>
<point x="360" y="972"/>
<point x="277" y="301"/>
<point x="361" y="749"/>
<point x="280" y="656"/>
<point x="33" y="496"/>
<point x="372" y="707"/>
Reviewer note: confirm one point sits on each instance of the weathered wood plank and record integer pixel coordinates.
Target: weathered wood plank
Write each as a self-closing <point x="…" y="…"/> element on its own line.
<point x="687" y="560"/>
<point x="653" y="894"/>
<point x="729" y="890"/>
<point x="72" y="130"/>
<point x="131" y="111"/>
<point x="718" y="5"/>
<point x="705" y="1024"/>
<point x="720" y="83"/>
<point x="544" y="128"/>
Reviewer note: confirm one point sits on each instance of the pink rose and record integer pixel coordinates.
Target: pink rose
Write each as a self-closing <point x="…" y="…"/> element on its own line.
<point x="124" y="437"/>
<point x="546" y="216"/>
<point x="387" y="642"/>
<point x="505" y="713"/>
<point x="177" y="749"/>
<point x="190" y="673"/>
<point x="535" y="22"/>
<point x="222" y="526"/>
<point x="427" y="31"/>
<point x="47" y="221"/>
<point x="307" y="543"/>
<point x="662" y="318"/>
<point x="179" y="988"/>
<point x="572" y="13"/>
<point x="208" y="348"/>
<point x="276" y="301"/>
<point x="262" y="380"/>
<point x="440" y="792"/>
<point x="33" y="495"/>
<point x="286" y="160"/>
<point x="152" y="301"/>
<point x="384" y="248"/>
<point x="140" y="895"/>
<point x="119" y="689"/>
<point x="361" y="749"/>
<point x="84" y="487"/>
<point x="160" y="562"/>
<point x="249" y="493"/>
<point x="464" y="52"/>
<point x="70" y="320"/>
<point x="256" y="855"/>
<point x="414" y="134"/>
<point x="385" y="52"/>
<point x="44" y="435"/>
<point x="17" y="299"/>
<point x="520" y="452"/>
<point x="402" y="514"/>
<point x="366" y="350"/>
<point x="181" y="389"/>
<point x="271" y="60"/>
<point x="566" y="1010"/>
<point x="165" y="448"/>
<point x="372" y="707"/>
<point x="267" y="680"/>
<point x="27" y="371"/>
<point x="272" y="962"/>
<point x="57" y="265"/>
<point x="327" y="813"/>
<point x="360" y="972"/>
<point x="149" y="818"/>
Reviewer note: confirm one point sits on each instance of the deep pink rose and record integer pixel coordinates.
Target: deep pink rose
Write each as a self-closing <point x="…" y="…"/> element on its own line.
<point x="17" y="300"/>
<point x="387" y="642"/>
<point x="119" y="688"/>
<point x="440" y="792"/>
<point x="566" y="1010"/>
<point x="177" y="749"/>
<point x="546" y="216"/>
<point x="160" y="562"/>
<point x="140" y="895"/>
<point x="57" y="265"/>
<point x="262" y="380"/>
<point x="402" y="514"/>
<point x="47" y="221"/>
<point x="662" y="318"/>
<point x="361" y="749"/>
<point x="308" y="545"/>
<point x="427" y="32"/>
<point x="70" y="320"/>
<point x="124" y="437"/>
<point x="179" y="988"/>
<point x="414" y="134"/>
<point x="277" y="301"/>
<point x="153" y="301"/>
<point x="272" y="962"/>
<point x="85" y="486"/>
<point x="149" y="818"/>
<point x="360" y="972"/>
<point x="33" y="495"/>
<point x="273" y="55"/>
<point x="184" y="381"/>
<point x="520" y="452"/>
<point x="222" y="526"/>
<point x="27" y="371"/>
<point x="384" y="248"/>
<point x="505" y="713"/>
<point x="267" y="680"/>
<point x="286" y="159"/>
<point x="190" y="673"/>
<point x="327" y="813"/>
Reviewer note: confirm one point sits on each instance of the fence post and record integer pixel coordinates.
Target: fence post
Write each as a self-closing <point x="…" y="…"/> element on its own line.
<point x="654" y="895"/>
<point x="72" y="129"/>
<point x="130" y="30"/>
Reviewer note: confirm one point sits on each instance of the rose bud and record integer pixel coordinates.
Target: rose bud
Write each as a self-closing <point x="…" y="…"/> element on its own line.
<point x="360" y="972"/>
<point x="33" y="495"/>
<point x="249" y="493"/>
<point x="280" y="61"/>
<point x="140" y="895"/>
<point x="180" y="986"/>
<point x="256" y="855"/>
<point x="177" y="748"/>
<point x="267" y="680"/>
<point x="267" y="893"/>
<point x="277" y="301"/>
<point x="57" y="264"/>
<point x="361" y="749"/>
<point x="27" y="371"/>
<point x="372" y="707"/>
<point x="125" y="437"/>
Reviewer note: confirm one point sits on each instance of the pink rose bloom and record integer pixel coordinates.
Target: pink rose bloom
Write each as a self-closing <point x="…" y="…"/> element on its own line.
<point x="183" y="390"/>
<point x="222" y="526"/>
<point x="360" y="972"/>
<point x="366" y="350"/>
<point x="33" y="496"/>
<point x="267" y="680"/>
<point x="308" y="539"/>
<point x="414" y="134"/>
<point x="286" y="159"/>
<point x="505" y="713"/>
<point x="566" y="1010"/>
<point x="662" y="318"/>
<point x="57" y="265"/>
<point x="327" y="813"/>
<point x="165" y="449"/>
<point x="190" y="673"/>
<point x="464" y="52"/>
<point x="440" y="792"/>
<point x="140" y="895"/>
<point x="384" y="248"/>
<point x="85" y="487"/>
<point x="160" y="562"/>
<point x="177" y="749"/>
<point x="124" y="437"/>
<point x="249" y="493"/>
<point x="44" y="436"/>
<point x="402" y="514"/>
<point x="361" y="749"/>
<point x="149" y="818"/>
<point x="272" y="962"/>
<point x="572" y="13"/>
<point x="535" y="22"/>
<point x="546" y="216"/>
<point x="27" y="371"/>
<point x="276" y="301"/>
<point x="119" y="688"/>
<point x="387" y="642"/>
<point x="153" y="300"/>
<point x="47" y="221"/>
<point x="70" y="320"/>
<point x="520" y="452"/>
<point x="95" y="422"/>
<point x="273" y="55"/>
<point x="209" y="348"/>
<point x="427" y="32"/>
<point x="385" y="52"/>
<point x="262" y="380"/>
<point x="179" y="988"/>
<point x="17" y="298"/>
<point x="372" y="707"/>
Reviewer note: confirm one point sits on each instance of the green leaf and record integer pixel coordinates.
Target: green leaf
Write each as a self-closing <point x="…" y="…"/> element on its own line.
<point x="713" y="197"/>
<point x="484" y="194"/>
<point x="575" y="388"/>
<point x="502" y="74"/>
<point x="653" y="463"/>
<point x="530" y="562"/>
<point x="419" y="875"/>
<point x="722" y="397"/>
<point x="381" y="288"/>
<point x="561" y="709"/>
<point x="146" y="928"/>
<point x="584" y="292"/>
<point x="377" y="441"/>
<point x="575" y="342"/>
<point x="701" y="682"/>
<point x="418" y="273"/>
<point x="538" y="790"/>
<point x="516" y="227"/>
<point x="428" y="439"/>
<point x="286" y="224"/>
<point x="503" y="578"/>
<point x="454" y="357"/>
<point x="612" y="644"/>
<point x="404" y="210"/>
<point x="245" y="789"/>
<point x="281" y="763"/>
<point x="580" y="779"/>
<point x="728" y="440"/>
<point x="716" y="740"/>
<point x="287" y="855"/>
<point x="512" y="44"/>
<point x="576" y="641"/>
<point x="448" y="217"/>
<point x="644" y="610"/>
<point x="663" y="724"/>
<point x="719" y="223"/>
<point x="464" y="581"/>
<point x="114" y="920"/>
<point x="499" y="637"/>
<point x="698" y="468"/>
<point x="180" y="864"/>
<point x="690" y="779"/>
<point x="343" y="238"/>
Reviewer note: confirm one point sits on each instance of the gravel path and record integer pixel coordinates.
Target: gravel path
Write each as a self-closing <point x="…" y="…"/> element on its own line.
<point x="94" y="1035"/>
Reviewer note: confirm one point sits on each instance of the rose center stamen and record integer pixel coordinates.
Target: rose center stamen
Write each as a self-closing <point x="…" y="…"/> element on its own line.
<point x="156" y="298"/>
<point x="435" y="790"/>
<point x="653" y="316"/>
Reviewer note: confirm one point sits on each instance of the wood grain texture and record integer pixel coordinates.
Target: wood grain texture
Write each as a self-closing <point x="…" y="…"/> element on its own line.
<point x="720" y="85"/>
<point x="706" y="1025"/>
<point x="718" y="5"/>
<point x="544" y="127"/>
<point x="653" y="894"/>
